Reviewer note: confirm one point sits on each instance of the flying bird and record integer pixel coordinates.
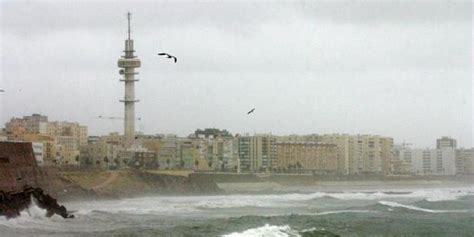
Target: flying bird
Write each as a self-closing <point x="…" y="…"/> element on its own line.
<point x="169" y="56"/>
<point x="251" y="111"/>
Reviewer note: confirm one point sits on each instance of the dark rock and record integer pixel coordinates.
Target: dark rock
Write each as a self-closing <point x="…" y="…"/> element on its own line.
<point x="12" y="203"/>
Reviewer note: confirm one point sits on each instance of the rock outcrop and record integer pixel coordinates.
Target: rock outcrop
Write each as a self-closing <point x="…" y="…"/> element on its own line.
<point x="12" y="203"/>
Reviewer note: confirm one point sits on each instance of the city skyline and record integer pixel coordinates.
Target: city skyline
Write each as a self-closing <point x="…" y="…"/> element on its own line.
<point x="31" y="121"/>
<point x="294" y="65"/>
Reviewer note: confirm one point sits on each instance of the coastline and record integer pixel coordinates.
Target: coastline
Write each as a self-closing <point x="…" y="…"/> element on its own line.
<point x="118" y="184"/>
<point x="336" y="186"/>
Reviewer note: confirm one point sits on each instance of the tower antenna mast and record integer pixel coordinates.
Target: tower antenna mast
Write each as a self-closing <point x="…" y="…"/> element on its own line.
<point x="128" y="17"/>
<point x="128" y="63"/>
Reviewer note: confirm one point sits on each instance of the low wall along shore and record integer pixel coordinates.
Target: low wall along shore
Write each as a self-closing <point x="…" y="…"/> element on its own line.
<point x="66" y="185"/>
<point x="124" y="183"/>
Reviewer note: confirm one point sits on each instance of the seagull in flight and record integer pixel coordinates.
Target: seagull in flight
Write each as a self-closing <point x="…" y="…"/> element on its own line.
<point x="251" y="111"/>
<point x="169" y="56"/>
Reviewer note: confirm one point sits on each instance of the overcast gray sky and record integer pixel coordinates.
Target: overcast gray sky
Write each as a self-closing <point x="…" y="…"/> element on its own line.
<point x="399" y="69"/>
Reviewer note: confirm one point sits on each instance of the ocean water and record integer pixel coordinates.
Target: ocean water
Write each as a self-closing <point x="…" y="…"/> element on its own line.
<point x="373" y="212"/>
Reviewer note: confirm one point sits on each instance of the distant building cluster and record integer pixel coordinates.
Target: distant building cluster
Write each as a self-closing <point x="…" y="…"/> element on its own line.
<point x="214" y="150"/>
<point x="54" y="143"/>
<point x="446" y="159"/>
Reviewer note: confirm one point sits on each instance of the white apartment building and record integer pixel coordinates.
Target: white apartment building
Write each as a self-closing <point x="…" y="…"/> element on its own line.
<point x="429" y="161"/>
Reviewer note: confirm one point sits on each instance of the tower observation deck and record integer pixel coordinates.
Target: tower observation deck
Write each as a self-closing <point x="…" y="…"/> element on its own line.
<point x="128" y="62"/>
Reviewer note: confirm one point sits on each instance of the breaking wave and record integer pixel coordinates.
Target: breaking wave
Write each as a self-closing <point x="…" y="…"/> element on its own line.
<point x="428" y="195"/>
<point x="267" y="230"/>
<point x="197" y="204"/>
<point x="343" y="211"/>
<point x="415" y="208"/>
<point x="33" y="216"/>
<point x="280" y="231"/>
<point x="268" y="215"/>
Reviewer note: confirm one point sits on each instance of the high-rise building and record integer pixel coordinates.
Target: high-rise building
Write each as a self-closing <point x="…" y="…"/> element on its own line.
<point x="257" y="153"/>
<point x="342" y="141"/>
<point x="435" y="162"/>
<point x="446" y="142"/>
<point x="428" y="161"/>
<point x="465" y="161"/>
<point x="356" y="154"/>
<point x="401" y="160"/>
<point x="320" y="157"/>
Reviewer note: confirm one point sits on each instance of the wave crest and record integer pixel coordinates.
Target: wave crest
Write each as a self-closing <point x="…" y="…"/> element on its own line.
<point x="267" y="230"/>
<point x="32" y="216"/>
<point x="415" y="208"/>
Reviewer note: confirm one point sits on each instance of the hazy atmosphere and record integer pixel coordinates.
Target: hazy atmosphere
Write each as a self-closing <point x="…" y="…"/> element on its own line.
<point x="246" y="118"/>
<point x="396" y="69"/>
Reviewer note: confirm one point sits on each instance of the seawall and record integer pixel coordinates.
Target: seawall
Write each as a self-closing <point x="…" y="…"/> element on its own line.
<point x="96" y="184"/>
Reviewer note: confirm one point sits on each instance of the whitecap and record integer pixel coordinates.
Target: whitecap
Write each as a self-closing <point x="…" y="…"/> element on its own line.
<point x="411" y="207"/>
<point x="266" y="231"/>
<point x="343" y="211"/>
<point x="432" y="195"/>
<point x="33" y="216"/>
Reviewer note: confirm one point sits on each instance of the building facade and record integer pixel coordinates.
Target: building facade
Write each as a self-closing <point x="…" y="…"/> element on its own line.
<point x="38" y="151"/>
<point x="103" y="152"/>
<point x="317" y="157"/>
<point x="35" y="123"/>
<point x="465" y="161"/>
<point x="256" y="153"/>
<point x="429" y="161"/>
<point x="356" y="154"/>
<point x="446" y="142"/>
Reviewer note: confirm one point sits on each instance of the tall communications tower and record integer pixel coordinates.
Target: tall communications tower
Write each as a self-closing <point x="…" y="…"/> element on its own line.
<point x="128" y="63"/>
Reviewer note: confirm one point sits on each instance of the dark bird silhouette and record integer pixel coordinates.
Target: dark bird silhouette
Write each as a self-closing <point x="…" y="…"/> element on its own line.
<point x="169" y="56"/>
<point x="251" y="111"/>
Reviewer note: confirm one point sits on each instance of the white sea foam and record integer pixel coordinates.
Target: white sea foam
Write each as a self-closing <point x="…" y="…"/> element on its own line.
<point x="411" y="207"/>
<point x="198" y="204"/>
<point x="266" y="231"/>
<point x="342" y="211"/>
<point x="103" y="215"/>
<point x="33" y="216"/>
<point x="431" y="195"/>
